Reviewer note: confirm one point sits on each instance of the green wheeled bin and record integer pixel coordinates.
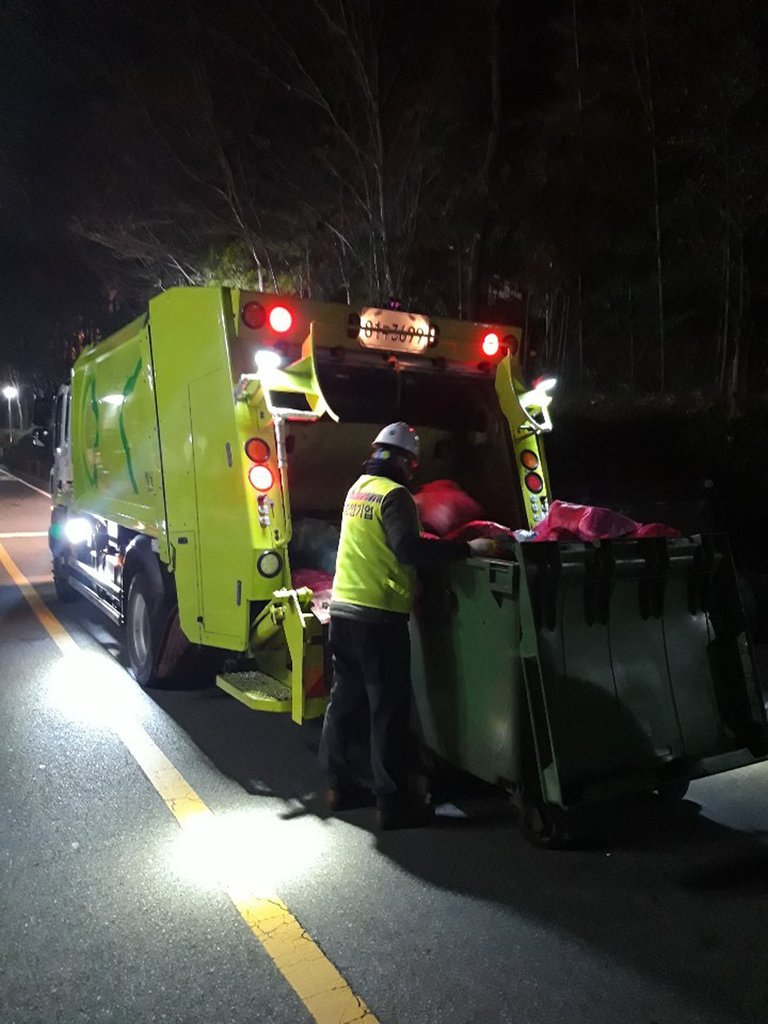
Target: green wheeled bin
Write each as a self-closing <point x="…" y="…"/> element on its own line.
<point x="575" y="673"/>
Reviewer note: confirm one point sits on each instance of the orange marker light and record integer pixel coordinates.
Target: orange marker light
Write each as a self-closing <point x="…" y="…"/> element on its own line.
<point x="256" y="449"/>
<point x="491" y="344"/>
<point x="261" y="478"/>
<point x="280" y="319"/>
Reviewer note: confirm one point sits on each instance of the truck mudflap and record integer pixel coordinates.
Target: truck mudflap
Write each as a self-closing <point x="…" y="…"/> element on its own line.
<point x="637" y="667"/>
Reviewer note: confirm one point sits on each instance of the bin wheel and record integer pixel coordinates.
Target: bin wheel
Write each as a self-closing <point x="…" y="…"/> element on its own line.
<point x="65" y="592"/>
<point x="544" y="826"/>
<point x="673" y="792"/>
<point x="146" y="620"/>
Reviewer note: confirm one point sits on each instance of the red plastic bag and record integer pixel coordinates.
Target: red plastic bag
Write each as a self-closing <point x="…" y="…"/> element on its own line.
<point x="655" y="530"/>
<point x="444" y="507"/>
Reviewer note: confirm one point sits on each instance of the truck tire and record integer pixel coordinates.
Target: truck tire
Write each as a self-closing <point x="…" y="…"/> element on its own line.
<point x="64" y="590"/>
<point x="146" y="620"/>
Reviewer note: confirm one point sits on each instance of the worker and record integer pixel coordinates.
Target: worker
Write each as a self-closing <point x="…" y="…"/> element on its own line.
<point x="379" y="550"/>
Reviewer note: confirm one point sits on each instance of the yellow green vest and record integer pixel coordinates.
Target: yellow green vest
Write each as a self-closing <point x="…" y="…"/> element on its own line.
<point x="367" y="572"/>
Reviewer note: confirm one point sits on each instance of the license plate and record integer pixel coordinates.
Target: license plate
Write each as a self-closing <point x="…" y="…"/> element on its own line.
<point x="393" y="329"/>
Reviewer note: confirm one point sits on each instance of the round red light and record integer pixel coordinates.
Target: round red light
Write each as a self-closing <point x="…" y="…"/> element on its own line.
<point x="529" y="459"/>
<point x="511" y="344"/>
<point x="261" y="478"/>
<point x="256" y="449"/>
<point x="254" y="315"/>
<point x="491" y="344"/>
<point x="280" y="319"/>
<point x="534" y="483"/>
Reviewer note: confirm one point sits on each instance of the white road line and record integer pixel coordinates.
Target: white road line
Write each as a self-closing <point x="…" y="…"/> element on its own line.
<point x="9" y="536"/>
<point x="45" y="494"/>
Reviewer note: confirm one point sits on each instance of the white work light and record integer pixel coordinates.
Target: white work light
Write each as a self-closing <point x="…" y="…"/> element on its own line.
<point x="267" y="359"/>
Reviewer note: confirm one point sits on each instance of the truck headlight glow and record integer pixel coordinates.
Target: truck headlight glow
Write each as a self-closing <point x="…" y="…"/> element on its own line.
<point x="77" y="530"/>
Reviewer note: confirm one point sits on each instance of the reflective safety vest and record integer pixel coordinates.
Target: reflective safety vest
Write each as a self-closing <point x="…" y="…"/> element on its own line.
<point x="367" y="571"/>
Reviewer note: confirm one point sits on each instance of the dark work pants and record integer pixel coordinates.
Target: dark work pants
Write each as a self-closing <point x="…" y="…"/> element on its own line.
<point x="370" y="701"/>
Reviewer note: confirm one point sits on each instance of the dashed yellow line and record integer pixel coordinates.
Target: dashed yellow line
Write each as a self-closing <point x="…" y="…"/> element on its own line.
<point x="309" y="972"/>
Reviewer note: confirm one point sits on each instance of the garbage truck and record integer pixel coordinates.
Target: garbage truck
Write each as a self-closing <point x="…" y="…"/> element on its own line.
<point x="202" y="444"/>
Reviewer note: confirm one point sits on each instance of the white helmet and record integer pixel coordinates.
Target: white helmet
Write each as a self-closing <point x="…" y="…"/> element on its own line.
<point x="399" y="435"/>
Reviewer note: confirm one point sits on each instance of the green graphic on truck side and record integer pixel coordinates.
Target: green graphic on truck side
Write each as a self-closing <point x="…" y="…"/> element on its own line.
<point x="130" y="385"/>
<point x="92" y="476"/>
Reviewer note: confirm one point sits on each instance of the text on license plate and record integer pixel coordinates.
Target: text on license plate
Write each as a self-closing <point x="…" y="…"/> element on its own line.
<point x="394" y="329"/>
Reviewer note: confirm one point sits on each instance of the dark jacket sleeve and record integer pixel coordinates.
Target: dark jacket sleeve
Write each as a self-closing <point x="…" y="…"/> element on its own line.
<point x="401" y="526"/>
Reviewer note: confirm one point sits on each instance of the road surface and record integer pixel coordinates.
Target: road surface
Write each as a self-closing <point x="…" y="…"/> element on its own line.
<point x="165" y="856"/>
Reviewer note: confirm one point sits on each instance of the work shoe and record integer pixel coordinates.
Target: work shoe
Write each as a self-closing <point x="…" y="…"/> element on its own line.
<point x="396" y="813"/>
<point x="349" y="798"/>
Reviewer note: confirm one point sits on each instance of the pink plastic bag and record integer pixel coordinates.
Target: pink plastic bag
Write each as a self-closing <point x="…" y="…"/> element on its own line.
<point x="567" y="521"/>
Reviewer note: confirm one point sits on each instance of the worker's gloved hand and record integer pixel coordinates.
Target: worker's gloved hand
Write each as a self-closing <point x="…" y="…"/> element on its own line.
<point x="482" y="547"/>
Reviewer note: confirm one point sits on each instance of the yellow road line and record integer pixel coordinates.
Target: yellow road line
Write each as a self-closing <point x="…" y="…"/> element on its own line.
<point x="56" y="631"/>
<point x="309" y="972"/>
<point x="10" y="536"/>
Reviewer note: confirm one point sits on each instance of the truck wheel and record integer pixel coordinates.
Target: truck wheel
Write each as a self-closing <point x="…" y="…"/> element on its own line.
<point x="64" y="590"/>
<point x="146" y="618"/>
<point x="545" y="827"/>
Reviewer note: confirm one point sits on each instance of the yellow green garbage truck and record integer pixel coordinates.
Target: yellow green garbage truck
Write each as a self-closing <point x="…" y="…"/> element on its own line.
<point x="199" y="449"/>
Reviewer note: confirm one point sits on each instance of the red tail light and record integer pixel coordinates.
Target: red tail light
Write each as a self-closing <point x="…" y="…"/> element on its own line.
<point x="280" y="319"/>
<point x="534" y="483"/>
<point x="491" y="344"/>
<point x="254" y="315"/>
<point x="261" y="478"/>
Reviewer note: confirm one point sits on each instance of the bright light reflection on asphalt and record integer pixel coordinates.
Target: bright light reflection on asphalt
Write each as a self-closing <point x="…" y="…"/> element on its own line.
<point x="246" y="854"/>
<point x="90" y="689"/>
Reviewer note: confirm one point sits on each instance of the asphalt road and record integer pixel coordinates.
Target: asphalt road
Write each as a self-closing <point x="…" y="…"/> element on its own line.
<point x="109" y="911"/>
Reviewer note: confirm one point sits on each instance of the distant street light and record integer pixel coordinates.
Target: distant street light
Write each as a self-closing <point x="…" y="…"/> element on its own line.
<point x="10" y="392"/>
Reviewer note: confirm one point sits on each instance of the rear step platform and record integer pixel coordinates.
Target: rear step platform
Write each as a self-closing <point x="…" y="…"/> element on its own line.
<point x="261" y="692"/>
<point x="256" y="690"/>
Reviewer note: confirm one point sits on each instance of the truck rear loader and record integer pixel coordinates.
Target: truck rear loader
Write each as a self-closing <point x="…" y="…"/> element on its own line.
<point x="197" y="443"/>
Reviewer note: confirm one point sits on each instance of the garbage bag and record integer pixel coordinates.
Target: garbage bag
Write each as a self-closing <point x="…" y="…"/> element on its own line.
<point x="321" y="585"/>
<point x="444" y="507"/>
<point x="482" y="528"/>
<point x="570" y="522"/>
